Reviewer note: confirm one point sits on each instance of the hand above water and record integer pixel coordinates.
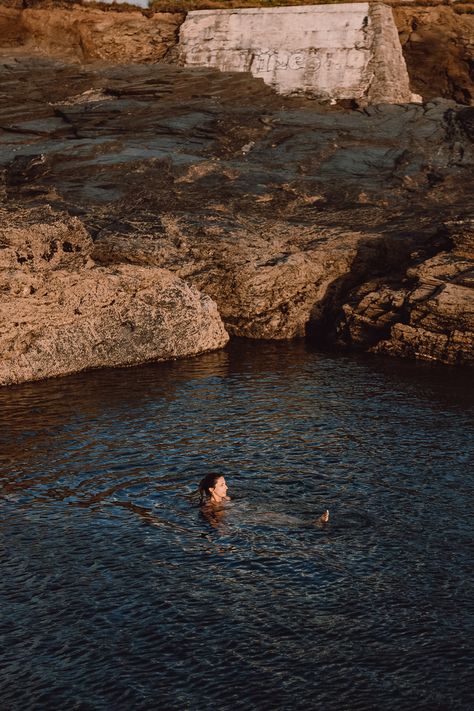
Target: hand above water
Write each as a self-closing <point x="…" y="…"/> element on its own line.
<point x="323" y="519"/>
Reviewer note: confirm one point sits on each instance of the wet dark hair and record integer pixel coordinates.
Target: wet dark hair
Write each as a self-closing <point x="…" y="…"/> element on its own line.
<point x="207" y="483"/>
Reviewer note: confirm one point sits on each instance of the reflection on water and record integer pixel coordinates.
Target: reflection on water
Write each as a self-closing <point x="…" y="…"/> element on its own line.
<point x="117" y="593"/>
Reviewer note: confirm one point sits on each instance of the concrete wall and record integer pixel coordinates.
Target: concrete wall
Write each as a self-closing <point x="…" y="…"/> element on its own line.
<point x="329" y="51"/>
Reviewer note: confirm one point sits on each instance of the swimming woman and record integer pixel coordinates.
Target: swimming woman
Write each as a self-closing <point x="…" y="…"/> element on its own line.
<point x="213" y="489"/>
<point x="213" y="493"/>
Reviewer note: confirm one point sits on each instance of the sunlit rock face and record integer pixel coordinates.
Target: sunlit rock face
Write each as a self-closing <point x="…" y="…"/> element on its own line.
<point x="294" y="217"/>
<point x="87" y="34"/>
<point x="343" y="51"/>
<point x="437" y="43"/>
<point x="60" y="313"/>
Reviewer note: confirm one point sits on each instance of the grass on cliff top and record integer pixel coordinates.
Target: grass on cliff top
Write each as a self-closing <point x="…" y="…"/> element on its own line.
<point x="184" y="6"/>
<point x="187" y="5"/>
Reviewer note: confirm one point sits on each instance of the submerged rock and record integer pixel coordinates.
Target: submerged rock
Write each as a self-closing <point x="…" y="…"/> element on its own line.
<point x="60" y="313"/>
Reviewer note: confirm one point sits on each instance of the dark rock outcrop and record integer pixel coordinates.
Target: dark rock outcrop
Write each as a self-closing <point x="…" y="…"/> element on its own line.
<point x="436" y="315"/>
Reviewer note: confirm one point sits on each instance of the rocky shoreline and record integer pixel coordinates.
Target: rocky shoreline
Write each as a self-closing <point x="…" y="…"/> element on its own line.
<point x="148" y="210"/>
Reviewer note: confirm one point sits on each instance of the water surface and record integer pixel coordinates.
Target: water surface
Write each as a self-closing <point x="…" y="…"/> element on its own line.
<point x="117" y="594"/>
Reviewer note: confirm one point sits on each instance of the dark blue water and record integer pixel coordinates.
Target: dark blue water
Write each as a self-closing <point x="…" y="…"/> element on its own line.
<point x="117" y="594"/>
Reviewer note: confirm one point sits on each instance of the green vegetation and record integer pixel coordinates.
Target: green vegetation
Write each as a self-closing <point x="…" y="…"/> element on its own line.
<point x="184" y="6"/>
<point x="187" y="5"/>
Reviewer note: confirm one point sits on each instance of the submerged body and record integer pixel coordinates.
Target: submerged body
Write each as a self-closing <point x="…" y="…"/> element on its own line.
<point x="213" y="495"/>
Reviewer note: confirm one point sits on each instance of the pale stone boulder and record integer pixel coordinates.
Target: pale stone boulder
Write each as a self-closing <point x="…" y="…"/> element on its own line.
<point x="341" y="51"/>
<point x="268" y="279"/>
<point x="59" y="313"/>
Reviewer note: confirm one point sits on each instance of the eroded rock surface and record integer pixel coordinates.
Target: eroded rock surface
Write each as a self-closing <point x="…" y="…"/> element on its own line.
<point x="430" y="315"/>
<point x="60" y="313"/>
<point x="86" y="34"/>
<point x="285" y="212"/>
<point x="438" y="46"/>
<point x="437" y="39"/>
<point x="426" y="311"/>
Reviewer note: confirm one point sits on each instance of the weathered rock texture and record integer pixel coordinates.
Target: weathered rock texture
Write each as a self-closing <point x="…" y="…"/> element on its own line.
<point x="342" y="51"/>
<point x="429" y="314"/>
<point x="59" y="313"/>
<point x="88" y="34"/>
<point x="284" y="211"/>
<point x="267" y="276"/>
<point x="438" y="46"/>
<point x="125" y="189"/>
<point x="437" y="40"/>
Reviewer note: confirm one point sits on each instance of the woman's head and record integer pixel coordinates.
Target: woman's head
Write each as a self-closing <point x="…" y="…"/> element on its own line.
<point x="213" y="487"/>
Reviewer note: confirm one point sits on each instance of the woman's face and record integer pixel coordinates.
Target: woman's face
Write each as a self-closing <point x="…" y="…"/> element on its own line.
<point x="219" y="491"/>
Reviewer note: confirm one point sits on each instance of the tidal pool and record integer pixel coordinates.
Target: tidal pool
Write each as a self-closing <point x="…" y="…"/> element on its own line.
<point x="117" y="594"/>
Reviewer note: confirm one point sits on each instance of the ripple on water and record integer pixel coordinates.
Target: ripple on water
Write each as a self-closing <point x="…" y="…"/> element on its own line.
<point x="117" y="593"/>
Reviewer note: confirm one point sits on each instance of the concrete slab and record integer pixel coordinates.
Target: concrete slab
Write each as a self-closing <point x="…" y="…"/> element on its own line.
<point x="343" y="51"/>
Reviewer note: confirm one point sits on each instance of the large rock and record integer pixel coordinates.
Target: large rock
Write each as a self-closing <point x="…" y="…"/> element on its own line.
<point x="437" y="322"/>
<point x="438" y="46"/>
<point x="59" y="313"/>
<point x="267" y="278"/>
<point x="341" y="51"/>
<point x="428" y="314"/>
<point x="282" y="210"/>
<point x="87" y="34"/>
